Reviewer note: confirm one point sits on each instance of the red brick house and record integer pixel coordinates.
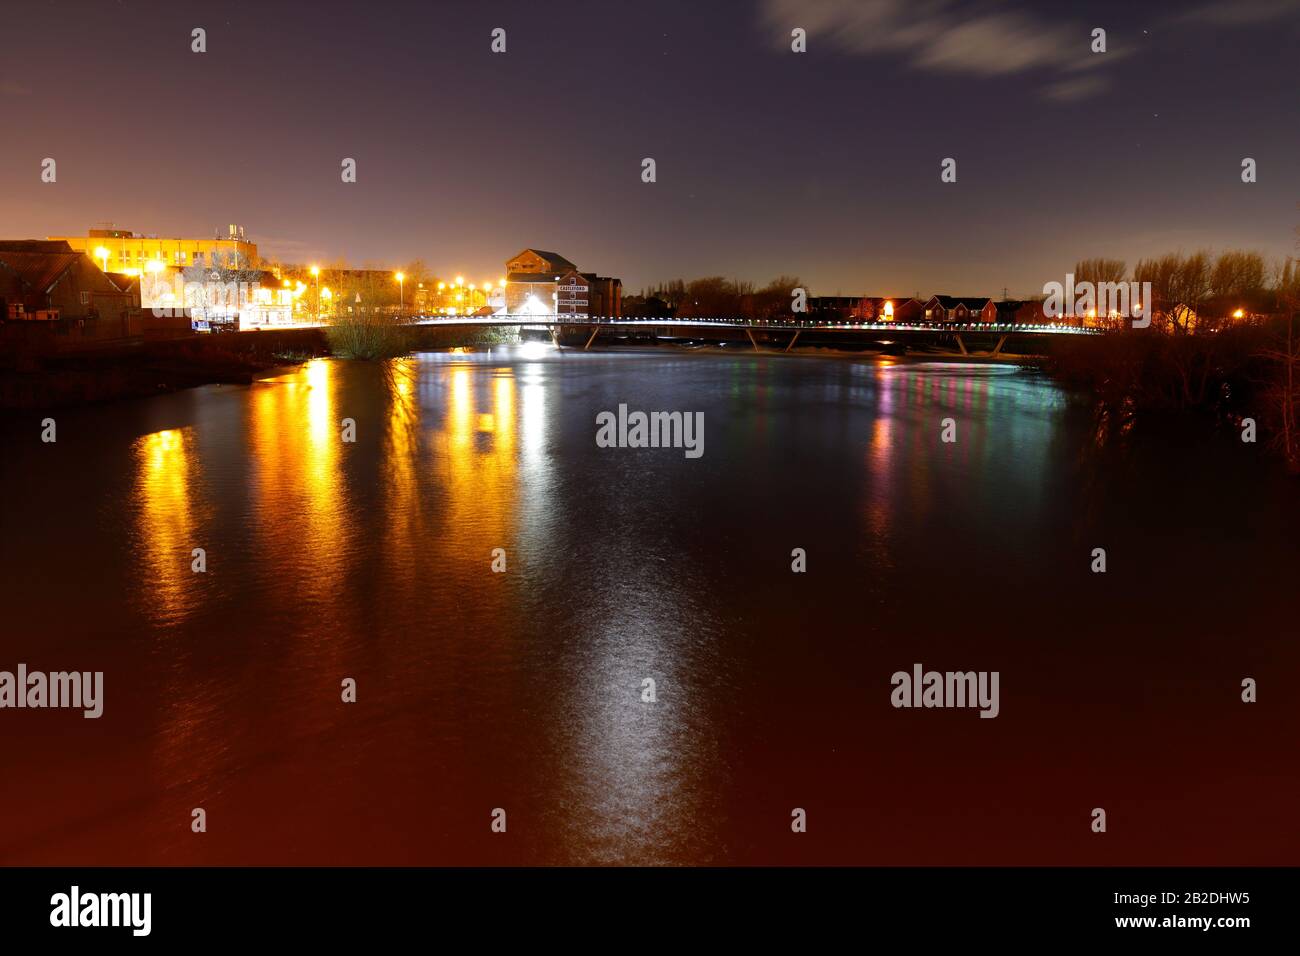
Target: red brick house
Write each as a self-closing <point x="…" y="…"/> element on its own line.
<point x="47" y="282"/>
<point x="891" y="308"/>
<point x="950" y="308"/>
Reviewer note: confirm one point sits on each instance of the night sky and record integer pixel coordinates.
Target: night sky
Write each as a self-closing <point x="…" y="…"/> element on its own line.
<point x="823" y="165"/>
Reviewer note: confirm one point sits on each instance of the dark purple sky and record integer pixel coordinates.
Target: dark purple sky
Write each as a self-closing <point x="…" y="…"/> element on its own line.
<point x="824" y="165"/>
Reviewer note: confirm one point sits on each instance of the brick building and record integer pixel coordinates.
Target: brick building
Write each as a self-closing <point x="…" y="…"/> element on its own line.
<point x="546" y="283"/>
<point x="49" y="291"/>
<point x="950" y="308"/>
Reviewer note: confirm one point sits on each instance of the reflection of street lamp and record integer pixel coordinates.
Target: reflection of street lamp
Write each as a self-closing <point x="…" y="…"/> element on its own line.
<point x="401" y="292"/>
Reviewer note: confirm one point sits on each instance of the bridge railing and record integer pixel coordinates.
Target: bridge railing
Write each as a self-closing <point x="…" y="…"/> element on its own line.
<point x="785" y="324"/>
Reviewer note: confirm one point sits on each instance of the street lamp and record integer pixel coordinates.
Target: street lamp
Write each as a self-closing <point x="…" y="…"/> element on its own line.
<point x="401" y="292"/>
<point x="102" y="253"/>
<point x="315" y="275"/>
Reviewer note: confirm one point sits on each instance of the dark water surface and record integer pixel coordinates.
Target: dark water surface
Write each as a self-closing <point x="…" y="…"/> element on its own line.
<point x="522" y="690"/>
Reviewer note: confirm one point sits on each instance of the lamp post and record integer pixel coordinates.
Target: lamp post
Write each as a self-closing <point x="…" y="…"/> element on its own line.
<point x="401" y="293"/>
<point x="102" y="254"/>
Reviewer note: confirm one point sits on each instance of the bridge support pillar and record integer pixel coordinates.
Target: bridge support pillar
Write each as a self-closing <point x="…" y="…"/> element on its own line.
<point x="595" y="330"/>
<point x="960" y="344"/>
<point x="555" y="339"/>
<point x="794" y="338"/>
<point x="751" y="338"/>
<point x="997" y="349"/>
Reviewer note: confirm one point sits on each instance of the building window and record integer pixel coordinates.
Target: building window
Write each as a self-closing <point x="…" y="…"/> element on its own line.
<point x="85" y="298"/>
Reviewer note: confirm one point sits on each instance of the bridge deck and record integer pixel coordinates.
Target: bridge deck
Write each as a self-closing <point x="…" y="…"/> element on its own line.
<point x="776" y="325"/>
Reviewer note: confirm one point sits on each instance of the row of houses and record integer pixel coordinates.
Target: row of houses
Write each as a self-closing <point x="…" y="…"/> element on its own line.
<point x="938" y="308"/>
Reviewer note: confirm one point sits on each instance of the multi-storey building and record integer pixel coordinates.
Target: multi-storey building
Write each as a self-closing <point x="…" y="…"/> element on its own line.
<point x="545" y="283"/>
<point x="119" y="250"/>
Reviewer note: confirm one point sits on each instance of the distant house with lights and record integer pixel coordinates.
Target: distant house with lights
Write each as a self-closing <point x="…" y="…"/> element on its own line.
<point x="864" y="308"/>
<point x="539" y="282"/>
<point x="951" y="308"/>
<point x="892" y="308"/>
<point x="835" y="308"/>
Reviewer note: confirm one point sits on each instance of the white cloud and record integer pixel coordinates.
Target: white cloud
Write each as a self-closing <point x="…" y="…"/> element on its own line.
<point x="943" y="36"/>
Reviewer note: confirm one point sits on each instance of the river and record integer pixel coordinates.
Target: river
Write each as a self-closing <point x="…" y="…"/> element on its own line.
<point x="524" y="689"/>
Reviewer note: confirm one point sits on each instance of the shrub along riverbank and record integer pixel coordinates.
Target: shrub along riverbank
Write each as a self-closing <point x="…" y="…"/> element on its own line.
<point x="1242" y="372"/>
<point x="372" y="337"/>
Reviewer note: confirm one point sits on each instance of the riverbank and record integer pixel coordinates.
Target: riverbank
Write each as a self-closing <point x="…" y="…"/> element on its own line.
<point x="65" y="379"/>
<point x="60" y="380"/>
<point x="1242" y="377"/>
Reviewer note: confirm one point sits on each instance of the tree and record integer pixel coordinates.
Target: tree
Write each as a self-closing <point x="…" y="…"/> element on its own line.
<point x="1097" y="271"/>
<point x="1285" y="355"/>
<point x="1179" y="284"/>
<point x="776" y="297"/>
<point x="1238" y="281"/>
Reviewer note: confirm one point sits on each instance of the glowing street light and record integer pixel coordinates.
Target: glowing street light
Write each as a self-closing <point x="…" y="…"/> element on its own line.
<point x="315" y="275"/>
<point x="102" y="253"/>
<point x="1238" y="314"/>
<point x="401" y="292"/>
